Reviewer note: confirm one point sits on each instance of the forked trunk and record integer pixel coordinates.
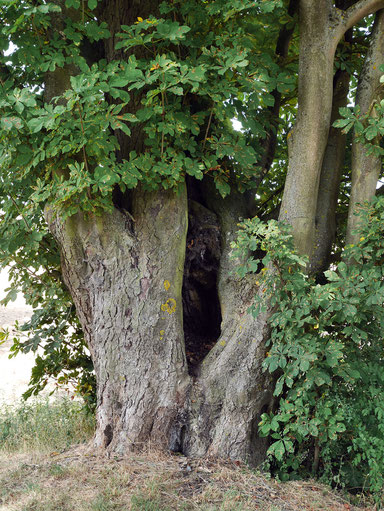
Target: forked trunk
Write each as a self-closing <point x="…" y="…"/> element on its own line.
<point x="125" y="273"/>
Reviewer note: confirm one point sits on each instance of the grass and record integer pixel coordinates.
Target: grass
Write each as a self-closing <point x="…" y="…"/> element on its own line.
<point x="43" y="425"/>
<point x="46" y="466"/>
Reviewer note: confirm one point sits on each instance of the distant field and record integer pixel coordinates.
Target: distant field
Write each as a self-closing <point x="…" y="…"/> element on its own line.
<point x="15" y="372"/>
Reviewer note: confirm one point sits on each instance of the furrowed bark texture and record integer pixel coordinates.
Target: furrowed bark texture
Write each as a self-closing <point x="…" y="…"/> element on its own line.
<point x="125" y="274"/>
<point x="366" y="167"/>
<point x="231" y="391"/>
<point x="125" y="278"/>
<point x="126" y="285"/>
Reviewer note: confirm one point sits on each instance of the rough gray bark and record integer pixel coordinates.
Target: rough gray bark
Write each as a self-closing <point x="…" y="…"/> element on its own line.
<point x="366" y="168"/>
<point x="125" y="278"/>
<point x="125" y="272"/>
<point x="232" y="391"/>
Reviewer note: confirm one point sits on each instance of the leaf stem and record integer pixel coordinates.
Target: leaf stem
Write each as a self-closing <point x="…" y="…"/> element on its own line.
<point x="208" y="127"/>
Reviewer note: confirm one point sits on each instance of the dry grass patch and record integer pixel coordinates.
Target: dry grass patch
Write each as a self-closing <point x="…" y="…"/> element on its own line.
<point x="80" y="480"/>
<point x="40" y="472"/>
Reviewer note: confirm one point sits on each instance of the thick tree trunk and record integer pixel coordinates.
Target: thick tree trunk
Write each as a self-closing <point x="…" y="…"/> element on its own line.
<point x="125" y="273"/>
<point x="232" y="391"/>
<point x="125" y="277"/>
<point x="366" y="167"/>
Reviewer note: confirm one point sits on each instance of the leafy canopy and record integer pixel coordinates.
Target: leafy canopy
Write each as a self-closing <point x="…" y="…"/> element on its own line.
<point x="68" y="110"/>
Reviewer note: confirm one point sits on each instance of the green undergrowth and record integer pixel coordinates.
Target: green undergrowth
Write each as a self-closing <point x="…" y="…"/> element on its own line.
<point x="326" y="355"/>
<point x="44" y="425"/>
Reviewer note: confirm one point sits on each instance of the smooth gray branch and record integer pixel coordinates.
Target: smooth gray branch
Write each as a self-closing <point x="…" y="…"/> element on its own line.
<point x="349" y="18"/>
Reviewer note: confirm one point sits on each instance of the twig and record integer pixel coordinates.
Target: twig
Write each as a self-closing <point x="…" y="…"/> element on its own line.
<point x="20" y="212"/>
<point x="17" y="261"/>
<point x="208" y="126"/>
<point x="163" y="116"/>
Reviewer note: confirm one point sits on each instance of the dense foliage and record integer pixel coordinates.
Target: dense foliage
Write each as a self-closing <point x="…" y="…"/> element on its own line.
<point x="326" y="353"/>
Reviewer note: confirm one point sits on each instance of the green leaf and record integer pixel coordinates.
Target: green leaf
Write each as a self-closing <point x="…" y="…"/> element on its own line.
<point x="96" y="31"/>
<point x="172" y="30"/>
<point x="119" y="81"/>
<point x="332" y="276"/>
<point x="371" y="132"/>
<point x="72" y="3"/>
<point x="176" y="90"/>
<point x="277" y="449"/>
<point x="36" y="124"/>
<point x="8" y="123"/>
<point x="106" y="176"/>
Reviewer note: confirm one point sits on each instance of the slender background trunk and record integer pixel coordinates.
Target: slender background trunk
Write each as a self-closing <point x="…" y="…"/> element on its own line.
<point x="333" y="162"/>
<point x="308" y="138"/>
<point x="366" y="167"/>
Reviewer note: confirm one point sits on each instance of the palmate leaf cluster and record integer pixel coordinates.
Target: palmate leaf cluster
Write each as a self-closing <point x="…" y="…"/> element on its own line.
<point x="177" y="82"/>
<point x="326" y="353"/>
<point x="189" y="86"/>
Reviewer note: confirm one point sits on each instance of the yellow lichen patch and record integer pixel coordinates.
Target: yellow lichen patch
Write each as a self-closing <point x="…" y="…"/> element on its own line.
<point x="169" y="306"/>
<point x="167" y="285"/>
<point x="162" y="332"/>
<point x="223" y="343"/>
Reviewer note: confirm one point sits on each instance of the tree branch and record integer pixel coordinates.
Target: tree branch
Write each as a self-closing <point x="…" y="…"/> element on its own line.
<point x="349" y="18"/>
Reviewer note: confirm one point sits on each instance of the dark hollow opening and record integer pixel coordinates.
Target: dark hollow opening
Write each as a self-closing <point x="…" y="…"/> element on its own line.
<point x="108" y="435"/>
<point x="201" y="306"/>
